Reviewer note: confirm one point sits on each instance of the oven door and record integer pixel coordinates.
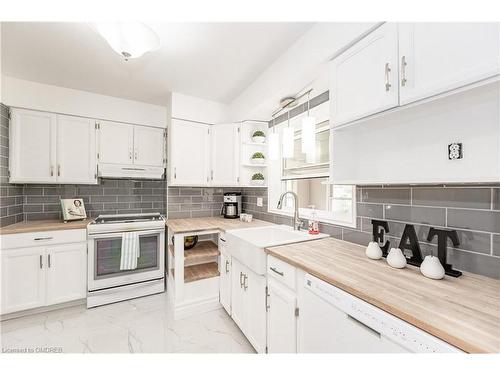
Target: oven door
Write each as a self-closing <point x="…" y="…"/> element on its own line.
<point x="105" y="254"/>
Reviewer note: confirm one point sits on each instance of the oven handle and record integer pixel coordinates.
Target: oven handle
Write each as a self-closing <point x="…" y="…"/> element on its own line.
<point x="117" y="234"/>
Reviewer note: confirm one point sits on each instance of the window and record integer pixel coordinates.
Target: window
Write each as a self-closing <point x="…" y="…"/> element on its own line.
<point x="308" y="177"/>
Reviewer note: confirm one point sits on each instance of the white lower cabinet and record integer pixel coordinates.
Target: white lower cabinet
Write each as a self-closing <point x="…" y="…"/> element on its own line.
<point x="281" y="318"/>
<point x="66" y="273"/>
<point x="23" y="279"/>
<point x="225" y="281"/>
<point x="248" y="309"/>
<point x="42" y="275"/>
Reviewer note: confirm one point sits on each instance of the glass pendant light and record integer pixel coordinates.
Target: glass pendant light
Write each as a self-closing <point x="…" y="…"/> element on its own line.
<point x="288" y="141"/>
<point x="308" y="132"/>
<point x="274" y="144"/>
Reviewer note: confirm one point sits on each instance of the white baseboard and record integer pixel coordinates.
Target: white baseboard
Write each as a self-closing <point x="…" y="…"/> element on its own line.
<point x="38" y="310"/>
<point x="194" y="307"/>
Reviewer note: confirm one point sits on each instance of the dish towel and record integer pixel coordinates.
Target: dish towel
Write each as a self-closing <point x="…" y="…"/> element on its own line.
<point x="130" y="251"/>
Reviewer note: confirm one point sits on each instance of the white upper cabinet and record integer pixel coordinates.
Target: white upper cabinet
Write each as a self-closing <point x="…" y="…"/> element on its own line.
<point x="76" y="150"/>
<point x="49" y="148"/>
<point x="364" y="79"/>
<point x="438" y="57"/>
<point x="225" y="142"/>
<point x="116" y="143"/>
<point x="189" y="153"/>
<point x="32" y="147"/>
<point x="149" y="146"/>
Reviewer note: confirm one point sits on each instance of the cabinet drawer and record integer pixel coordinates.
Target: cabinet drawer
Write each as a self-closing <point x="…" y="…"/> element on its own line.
<point x="11" y="241"/>
<point x="281" y="271"/>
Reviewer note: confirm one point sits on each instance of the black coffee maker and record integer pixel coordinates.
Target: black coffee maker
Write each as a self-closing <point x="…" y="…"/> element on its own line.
<point x="231" y="206"/>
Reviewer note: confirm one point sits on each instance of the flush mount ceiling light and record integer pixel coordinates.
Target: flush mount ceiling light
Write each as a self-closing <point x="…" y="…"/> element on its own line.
<point x="128" y="39"/>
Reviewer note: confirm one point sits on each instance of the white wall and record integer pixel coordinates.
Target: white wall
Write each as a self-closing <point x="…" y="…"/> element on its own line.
<point x="302" y="66"/>
<point x="33" y="95"/>
<point x="188" y="107"/>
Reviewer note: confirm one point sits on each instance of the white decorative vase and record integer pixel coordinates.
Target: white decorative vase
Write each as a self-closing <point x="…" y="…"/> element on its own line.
<point x="259" y="139"/>
<point x="396" y="258"/>
<point x="432" y="268"/>
<point x="373" y="251"/>
<point x="258" y="182"/>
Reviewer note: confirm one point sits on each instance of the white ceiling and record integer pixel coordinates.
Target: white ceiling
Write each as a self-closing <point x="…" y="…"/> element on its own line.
<point x="214" y="61"/>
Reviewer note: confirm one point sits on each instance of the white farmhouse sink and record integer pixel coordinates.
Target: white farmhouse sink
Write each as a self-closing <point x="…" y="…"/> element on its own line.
<point x="247" y="245"/>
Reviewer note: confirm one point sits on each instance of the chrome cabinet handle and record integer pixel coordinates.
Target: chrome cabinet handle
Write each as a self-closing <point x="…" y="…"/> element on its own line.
<point x="227" y="265"/>
<point x="43" y="238"/>
<point x="403" y="71"/>
<point x="58" y="169"/>
<point x="41" y="262"/>
<point x="387" y="70"/>
<point x="241" y="282"/>
<point x="276" y="271"/>
<point x="130" y="154"/>
<point x="48" y="258"/>
<point x="51" y="171"/>
<point x="175" y="172"/>
<point x="222" y="239"/>
<point x="245" y="279"/>
<point x="136" y="154"/>
<point x="212" y="174"/>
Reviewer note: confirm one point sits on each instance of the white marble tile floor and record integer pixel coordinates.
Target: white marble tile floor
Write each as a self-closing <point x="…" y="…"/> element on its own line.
<point x="142" y="325"/>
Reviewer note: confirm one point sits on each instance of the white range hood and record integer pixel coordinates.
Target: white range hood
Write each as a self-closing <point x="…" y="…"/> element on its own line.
<point x="131" y="171"/>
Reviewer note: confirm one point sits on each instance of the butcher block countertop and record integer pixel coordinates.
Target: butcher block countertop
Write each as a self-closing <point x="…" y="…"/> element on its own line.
<point x="211" y="223"/>
<point x="43" y="226"/>
<point x="463" y="311"/>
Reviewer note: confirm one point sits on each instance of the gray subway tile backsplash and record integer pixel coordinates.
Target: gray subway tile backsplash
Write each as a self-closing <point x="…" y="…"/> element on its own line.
<point x="488" y="221"/>
<point x="452" y="197"/>
<point x="396" y="195"/>
<point x="496" y="199"/>
<point x="496" y="245"/>
<point x="415" y="214"/>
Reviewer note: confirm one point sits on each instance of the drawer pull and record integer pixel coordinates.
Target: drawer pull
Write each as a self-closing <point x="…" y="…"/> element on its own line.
<point x="48" y="257"/>
<point x="41" y="262"/>
<point x="278" y="272"/>
<point x="43" y="238"/>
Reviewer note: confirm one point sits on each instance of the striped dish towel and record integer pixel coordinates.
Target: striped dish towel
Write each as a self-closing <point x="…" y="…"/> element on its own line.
<point x="130" y="251"/>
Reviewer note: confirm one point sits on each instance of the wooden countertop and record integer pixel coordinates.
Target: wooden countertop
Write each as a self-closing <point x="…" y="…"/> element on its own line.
<point x="43" y="226"/>
<point x="464" y="311"/>
<point x="211" y="223"/>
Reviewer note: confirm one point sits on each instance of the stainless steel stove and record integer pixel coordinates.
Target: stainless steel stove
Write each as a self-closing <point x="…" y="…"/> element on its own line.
<point x="108" y="280"/>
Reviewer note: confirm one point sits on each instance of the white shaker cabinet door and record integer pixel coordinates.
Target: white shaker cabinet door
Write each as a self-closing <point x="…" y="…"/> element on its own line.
<point x="225" y="143"/>
<point x="238" y="302"/>
<point x="225" y="282"/>
<point x="189" y="153"/>
<point x="254" y="286"/>
<point x="364" y="78"/>
<point x="438" y="57"/>
<point x="281" y="319"/>
<point x="116" y="143"/>
<point x="32" y="146"/>
<point x="23" y="279"/>
<point x="66" y="273"/>
<point x="149" y="146"/>
<point x="76" y="150"/>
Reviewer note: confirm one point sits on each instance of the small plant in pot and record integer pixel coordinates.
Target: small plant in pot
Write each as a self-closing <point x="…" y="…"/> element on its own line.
<point x="258" y="136"/>
<point x="258" y="179"/>
<point x="258" y="158"/>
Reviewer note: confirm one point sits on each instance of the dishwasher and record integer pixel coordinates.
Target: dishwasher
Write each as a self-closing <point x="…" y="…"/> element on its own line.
<point x="333" y="321"/>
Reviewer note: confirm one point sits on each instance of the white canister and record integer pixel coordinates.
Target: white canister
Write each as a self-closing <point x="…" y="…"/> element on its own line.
<point x="373" y="251"/>
<point x="396" y="258"/>
<point x="432" y="268"/>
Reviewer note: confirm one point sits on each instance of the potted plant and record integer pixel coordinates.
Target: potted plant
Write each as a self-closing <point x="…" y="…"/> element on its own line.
<point x="258" y="179"/>
<point x="258" y="136"/>
<point x="258" y="158"/>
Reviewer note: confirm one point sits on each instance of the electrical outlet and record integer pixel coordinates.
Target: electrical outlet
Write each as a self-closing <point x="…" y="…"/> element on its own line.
<point x="259" y="202"/>
<point x="455" y="151"/>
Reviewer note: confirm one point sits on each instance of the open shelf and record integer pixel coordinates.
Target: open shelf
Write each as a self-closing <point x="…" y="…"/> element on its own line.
<point x="254" y="165"/>
<point x="255" y="144"/>
<point x="203" y="252"/>
<point x="200" y="272"/>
